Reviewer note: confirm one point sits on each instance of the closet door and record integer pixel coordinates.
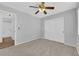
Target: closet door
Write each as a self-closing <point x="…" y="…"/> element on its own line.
<point x="54" y="29"/>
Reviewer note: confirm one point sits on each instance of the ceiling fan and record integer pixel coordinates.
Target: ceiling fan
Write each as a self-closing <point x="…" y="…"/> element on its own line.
<point x="42" y="8"/>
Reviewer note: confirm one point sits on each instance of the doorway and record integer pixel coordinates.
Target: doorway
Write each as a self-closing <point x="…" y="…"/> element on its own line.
<point x="7" y="29"/>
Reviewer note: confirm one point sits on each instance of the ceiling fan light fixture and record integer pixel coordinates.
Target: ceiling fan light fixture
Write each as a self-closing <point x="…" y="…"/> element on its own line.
<point x="41" y="9"/>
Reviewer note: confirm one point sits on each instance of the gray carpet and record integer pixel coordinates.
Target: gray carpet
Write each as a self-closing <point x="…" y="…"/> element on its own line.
<point x="40" y="47"/>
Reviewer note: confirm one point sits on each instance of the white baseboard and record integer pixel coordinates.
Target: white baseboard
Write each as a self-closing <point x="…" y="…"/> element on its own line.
<point x="25" y="41"/>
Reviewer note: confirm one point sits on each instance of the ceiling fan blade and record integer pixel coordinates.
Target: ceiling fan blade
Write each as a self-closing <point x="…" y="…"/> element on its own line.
<point x="45" y="12"/>
<point x="33" y="6"/>
<point x="36" y="12"/>
<point x="50" y="7"/>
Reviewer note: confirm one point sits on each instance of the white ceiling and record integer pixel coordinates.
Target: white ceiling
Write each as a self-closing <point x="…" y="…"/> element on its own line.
<point x="24" y="7"/>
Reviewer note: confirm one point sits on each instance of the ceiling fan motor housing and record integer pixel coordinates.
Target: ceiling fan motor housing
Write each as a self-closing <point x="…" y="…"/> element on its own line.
<point x="41" y="7"/>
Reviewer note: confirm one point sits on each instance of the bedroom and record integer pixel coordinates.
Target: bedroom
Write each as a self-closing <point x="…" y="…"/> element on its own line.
<point x="41" y="33"/>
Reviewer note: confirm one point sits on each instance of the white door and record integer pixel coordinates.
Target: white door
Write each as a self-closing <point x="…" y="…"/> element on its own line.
<point x="54" y="29"/>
